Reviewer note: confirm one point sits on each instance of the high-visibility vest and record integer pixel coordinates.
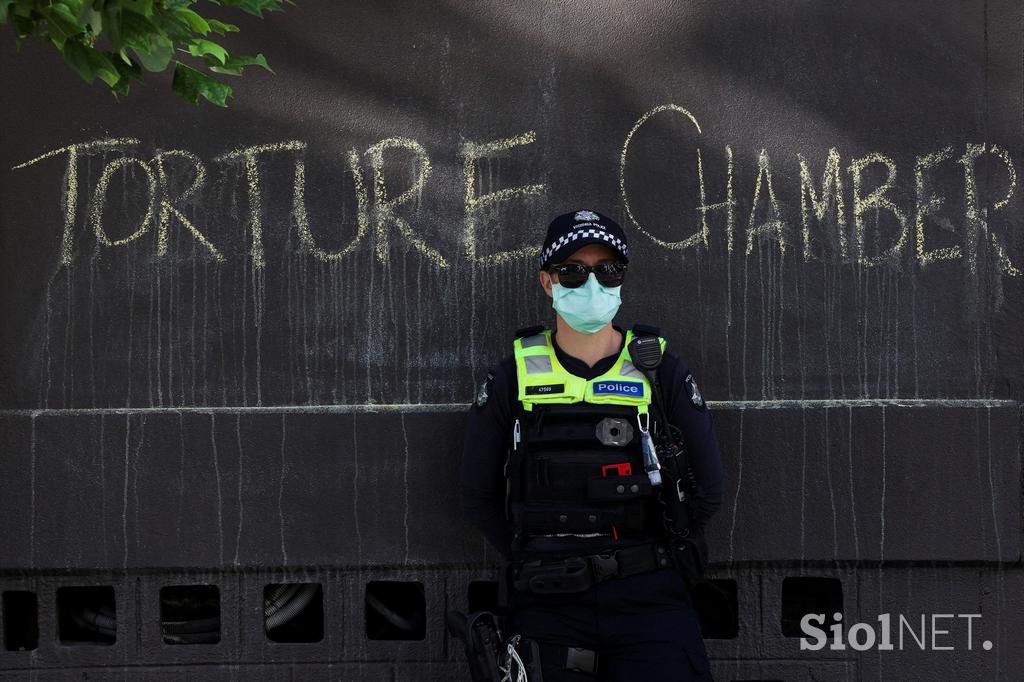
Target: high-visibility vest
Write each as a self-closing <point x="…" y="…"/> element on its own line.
<point x="567" y="476"/>
<point x="543" y="380"/>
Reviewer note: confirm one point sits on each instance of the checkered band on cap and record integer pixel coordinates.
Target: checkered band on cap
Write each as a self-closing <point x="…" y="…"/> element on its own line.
<point x="583" y="233"/>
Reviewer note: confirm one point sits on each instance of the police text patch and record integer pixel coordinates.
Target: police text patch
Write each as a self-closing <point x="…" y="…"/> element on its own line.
<point x="630" y="388"/>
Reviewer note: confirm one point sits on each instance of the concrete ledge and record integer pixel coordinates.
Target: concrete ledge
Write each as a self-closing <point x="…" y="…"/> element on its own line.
<point x="186" y="489"/>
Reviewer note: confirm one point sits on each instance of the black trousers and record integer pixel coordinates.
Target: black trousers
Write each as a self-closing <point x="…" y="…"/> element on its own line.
<point x="644" y="627"/>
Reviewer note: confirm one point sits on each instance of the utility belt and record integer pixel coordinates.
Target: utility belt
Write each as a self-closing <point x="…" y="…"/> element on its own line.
<point x="580" y="573"/>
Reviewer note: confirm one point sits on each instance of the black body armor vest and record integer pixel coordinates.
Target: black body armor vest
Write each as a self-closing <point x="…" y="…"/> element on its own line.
<point x="576" y="465"/>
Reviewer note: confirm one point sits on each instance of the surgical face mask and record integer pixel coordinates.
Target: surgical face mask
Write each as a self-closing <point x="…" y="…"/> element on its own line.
<point x="587" y="308"/>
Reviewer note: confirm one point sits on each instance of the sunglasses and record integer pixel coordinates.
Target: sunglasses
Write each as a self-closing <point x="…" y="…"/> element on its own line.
<point x="573" y="275"/>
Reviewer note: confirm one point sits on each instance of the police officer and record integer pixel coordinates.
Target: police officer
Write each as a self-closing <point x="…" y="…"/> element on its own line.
<point x="555" y="473"/>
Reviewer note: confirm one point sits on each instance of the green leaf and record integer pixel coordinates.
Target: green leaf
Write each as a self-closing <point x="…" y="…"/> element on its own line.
<point x="157" y="57"/>
<point x="66" y="14"/>
<point x="172" y="27"/>
<point x="233" y="64"/>
<point x="220" y="27"/>
<point x="126" y="71"/>
<point x="94" y="23"/>
<point x="199" y="47"/>
<point x="90" y="63"/>
<point x="194" y="21"/>
<point x="24" y="9"/>
<point x="112" y="25"/>
<point x="138" y="32"/>
<point x="76" y="54"/>
<point x="91" y="19"/>
<point x="151" y="29"/>
<point x="150" y="44"/>
<point x="143" y="7"/>
<point x="73" y="6"/>
<point x="189" y="84"/>
<point x="60" y="18"/>
<point x="23" y="26"/>
<point x="109" y="75"/>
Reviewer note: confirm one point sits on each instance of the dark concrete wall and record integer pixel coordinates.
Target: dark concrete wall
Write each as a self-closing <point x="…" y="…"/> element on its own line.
<point x="276" y="394"/>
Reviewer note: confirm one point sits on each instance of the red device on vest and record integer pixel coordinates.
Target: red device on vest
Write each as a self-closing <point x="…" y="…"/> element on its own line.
<point x="622" y="469"/>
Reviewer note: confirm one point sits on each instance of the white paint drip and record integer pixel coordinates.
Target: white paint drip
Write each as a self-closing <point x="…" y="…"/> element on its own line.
<point x="103" y="491"/>
<point x="739" y="484"/>
<point x="355" y="491"/>
<point x="853" y="496"/>
<point x="124" y="492"/>
<point x="992" y="486"/>
<point x="181" y="480"/>
<point x="280" y="492"/>
<point x="135" y="480"/>
<point x="831" y="489"/>
<point x="241" y="497"/>
<point x="220" y="498"/>
<point x="405" y="487"/>
<point x="803" y="481"/>
<point x="881" y="506"/>
<point x="32" y="496"/>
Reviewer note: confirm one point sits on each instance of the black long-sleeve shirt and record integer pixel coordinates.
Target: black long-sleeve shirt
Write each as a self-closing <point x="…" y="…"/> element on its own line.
<point x="489" y="431"/>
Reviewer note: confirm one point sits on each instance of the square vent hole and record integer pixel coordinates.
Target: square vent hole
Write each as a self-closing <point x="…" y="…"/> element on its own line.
<point x="395" y="610"/>
<point x="86" y="615"/>
<point x="21" y="620"/>
<point x="293" y="612"/>
<point x="190" y="614"/>
<point x="803" y="595"/>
